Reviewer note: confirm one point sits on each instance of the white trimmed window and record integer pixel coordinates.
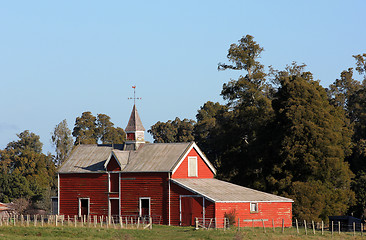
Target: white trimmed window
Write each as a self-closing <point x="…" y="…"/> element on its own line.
<point x="192" y="167"/>
<point x="253" y="207"/>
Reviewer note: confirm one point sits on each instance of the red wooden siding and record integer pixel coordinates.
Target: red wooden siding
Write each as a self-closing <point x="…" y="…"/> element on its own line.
<point x="175" y="192"/>
<point x="113" y="165"/>
<point x="266" y="210"/>
<point x="203" y="170"/>
<point x="75" y="186"/>
<point x="153" y="185"/>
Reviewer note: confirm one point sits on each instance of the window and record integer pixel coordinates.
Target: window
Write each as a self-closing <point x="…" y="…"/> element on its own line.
<point x="253" y="207"/>
<point x="192" y="166"/>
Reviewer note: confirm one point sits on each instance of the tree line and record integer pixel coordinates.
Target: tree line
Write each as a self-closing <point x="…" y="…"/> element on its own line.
<point x="281" y="132"/>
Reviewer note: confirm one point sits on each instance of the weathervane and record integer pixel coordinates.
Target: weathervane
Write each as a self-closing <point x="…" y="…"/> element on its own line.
<point x="134" y="96"/>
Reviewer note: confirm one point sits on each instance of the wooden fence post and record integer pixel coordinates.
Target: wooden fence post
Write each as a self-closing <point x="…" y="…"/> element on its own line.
<point x="264" y="228"/>
<point x="121" y="221"/>
<point x="196" y="223"/>
<point x="306" y="230"/>
<point x="332" y="228"/>
<point x="95" y="220"/>
<point x="339" y="228"/>
<point x="312" y="222"/>
<point x="322" y="227"/>
<point x="14" y="219"/>
<point x="297" y="226"/>
<point x="42" y="220"/>
<point x="238" y="224"/>
<point x="151" y="222"/>
<point x="283" y="225"/>
<point x="27" y="220"/>
<point x="354" y="228"/>
<point x="35" y="220"/>
<point x="361" y="229"/>
<point x="273" y="226"/>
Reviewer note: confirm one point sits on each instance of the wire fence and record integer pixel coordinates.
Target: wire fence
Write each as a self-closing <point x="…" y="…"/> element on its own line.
<point x="278" y="225"/>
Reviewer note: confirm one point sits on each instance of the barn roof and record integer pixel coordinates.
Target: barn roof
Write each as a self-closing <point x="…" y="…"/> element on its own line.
<point x="156" y="157"/>
<point x="151" y="157"/>
<point x="220" y="191"/>
<point x="86" y="158"/>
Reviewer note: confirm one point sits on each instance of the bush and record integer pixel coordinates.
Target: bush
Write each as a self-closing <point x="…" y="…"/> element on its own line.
<point x="231" y="216"/>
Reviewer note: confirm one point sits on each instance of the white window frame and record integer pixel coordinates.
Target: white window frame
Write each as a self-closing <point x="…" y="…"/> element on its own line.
<point x="255" y="204"/>
<point x="140" y="210"/>
<point x="190" y="174"/>
<point x="80" y="205"/>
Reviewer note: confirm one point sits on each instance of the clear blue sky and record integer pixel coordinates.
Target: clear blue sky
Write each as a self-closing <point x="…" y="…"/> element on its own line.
<point x="61" y="58"/>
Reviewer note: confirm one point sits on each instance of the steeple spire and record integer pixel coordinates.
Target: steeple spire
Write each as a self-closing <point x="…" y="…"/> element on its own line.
<point x="135" y="130"/>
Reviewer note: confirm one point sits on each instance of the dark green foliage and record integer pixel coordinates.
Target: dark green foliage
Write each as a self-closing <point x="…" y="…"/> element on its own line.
<point x="173" y="131"/>
<point x="311" y="139"/>
<point x="107" y="133"/>
<point x="25" y="171"/>
<point x="208" y="130"/>
<point x="85" y="130"/>
<point x="90" y="129"/>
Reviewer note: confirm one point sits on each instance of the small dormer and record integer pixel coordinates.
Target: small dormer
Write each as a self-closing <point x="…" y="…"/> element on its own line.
<point x="135" y="131"/>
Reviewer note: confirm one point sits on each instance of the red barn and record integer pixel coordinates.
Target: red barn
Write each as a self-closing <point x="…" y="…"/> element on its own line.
<point x="174" y="181"/>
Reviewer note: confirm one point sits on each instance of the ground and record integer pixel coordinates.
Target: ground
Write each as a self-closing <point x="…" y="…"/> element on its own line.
<point x="161" y="232"/>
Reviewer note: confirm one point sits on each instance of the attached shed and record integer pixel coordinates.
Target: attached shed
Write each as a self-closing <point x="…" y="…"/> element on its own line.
<point x="214" y="198"/>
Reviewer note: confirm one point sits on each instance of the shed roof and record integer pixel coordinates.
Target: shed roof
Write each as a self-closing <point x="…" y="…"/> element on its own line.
<point x="220" y="191"/>
<point x="152" y="157"/>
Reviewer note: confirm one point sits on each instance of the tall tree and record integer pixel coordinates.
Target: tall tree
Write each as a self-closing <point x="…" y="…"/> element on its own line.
<point x="249" y="99"/>
<point x="62" y="141"/>
<point x="107" y="133"/>
<point x="85" y="130"/>
<point x="310" y="140"/>
<point x="173" y="131"/>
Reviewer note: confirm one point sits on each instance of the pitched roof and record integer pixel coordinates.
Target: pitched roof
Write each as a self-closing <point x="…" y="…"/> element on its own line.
<point x="134" y="124"/>
<point x="86" y="158"/>
<point x="221" y="191"/>
<point x="152" y="157"/>
<point x="156" y="157"/>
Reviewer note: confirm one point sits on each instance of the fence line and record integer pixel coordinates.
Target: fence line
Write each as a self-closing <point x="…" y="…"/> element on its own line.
<point x="123" y="221"/>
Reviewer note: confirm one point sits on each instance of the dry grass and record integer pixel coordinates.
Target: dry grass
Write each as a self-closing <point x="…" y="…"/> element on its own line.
<point x="161" y="232"/>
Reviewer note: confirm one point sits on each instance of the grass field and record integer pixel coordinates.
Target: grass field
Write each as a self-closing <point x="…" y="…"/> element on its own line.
<point x="161" y="232"/>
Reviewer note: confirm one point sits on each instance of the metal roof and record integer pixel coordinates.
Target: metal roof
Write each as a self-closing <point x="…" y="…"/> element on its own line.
<point x="151" y="157"/>
<point x="156" y="157"/>
<point x="86" y="159"/>
<point x="221" y="191"/>
<point x="134" y="123"/>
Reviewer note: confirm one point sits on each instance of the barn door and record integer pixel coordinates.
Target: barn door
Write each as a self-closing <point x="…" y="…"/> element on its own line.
<point x="114" y="205"/>
<point x="83" y="206"/>
<point x="145" y="207"/>
<point x="191" y="207"/>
